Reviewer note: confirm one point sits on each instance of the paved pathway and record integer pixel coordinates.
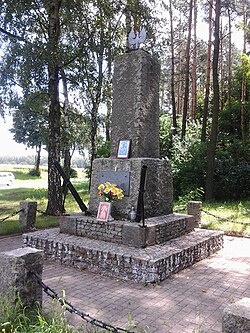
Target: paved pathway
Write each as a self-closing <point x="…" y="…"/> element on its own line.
<point x="192" y="301"/>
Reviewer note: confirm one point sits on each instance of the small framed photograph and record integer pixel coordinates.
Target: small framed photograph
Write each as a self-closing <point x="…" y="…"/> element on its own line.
<point x="123" y="150"/>
<point x="103" y="211"/>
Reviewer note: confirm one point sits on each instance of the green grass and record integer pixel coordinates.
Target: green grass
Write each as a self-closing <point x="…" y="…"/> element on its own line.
<point x="22" y="172"/>
<point x="227" y="215"/>
<point x="224" y="216"/>
<point x="10" y="202"/>
<point x="20" y="319"/>
<point x="237" y="211"/>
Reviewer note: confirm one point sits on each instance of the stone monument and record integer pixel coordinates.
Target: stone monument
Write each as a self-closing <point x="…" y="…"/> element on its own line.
<point x="135" y="117"/>
<point x="162" y="243"/>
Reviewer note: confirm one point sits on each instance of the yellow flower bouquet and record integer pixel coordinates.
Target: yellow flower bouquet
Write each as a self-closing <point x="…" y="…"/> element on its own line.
<point x="110" y="192"/>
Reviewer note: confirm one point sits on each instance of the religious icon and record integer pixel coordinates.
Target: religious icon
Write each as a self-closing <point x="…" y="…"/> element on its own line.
<point x="123" y="149"/>
<point x="103" y="211"/>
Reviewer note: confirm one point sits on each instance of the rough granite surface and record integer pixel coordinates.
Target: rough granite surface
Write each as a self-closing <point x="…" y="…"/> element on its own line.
<point x="135" y="107"/>
<point x="150" y="264"/>
<point x="158" y="197"/>
<point x="236" y="317"/>
<point x="15" y="266"/>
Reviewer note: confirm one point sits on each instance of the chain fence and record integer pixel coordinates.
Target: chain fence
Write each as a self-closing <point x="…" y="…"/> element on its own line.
<point x="184" y="208"/>
<point x="41" y="212"/>
<point x="70" y="308"/>
<point x="225" y="218"/>
<point x="11" y="215"/>
<point x="19" y="211"/>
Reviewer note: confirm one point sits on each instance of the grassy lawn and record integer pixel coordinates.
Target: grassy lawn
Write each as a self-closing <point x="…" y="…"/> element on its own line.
<point x="232" y="217"/>
<point x="10" y="199"/>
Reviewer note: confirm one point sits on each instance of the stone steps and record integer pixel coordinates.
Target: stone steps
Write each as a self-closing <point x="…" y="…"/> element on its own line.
<point x="151" y="264"/>
<point x="158" y="229"/>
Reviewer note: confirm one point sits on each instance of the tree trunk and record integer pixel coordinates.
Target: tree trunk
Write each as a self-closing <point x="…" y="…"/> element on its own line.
<point x="229" y="59"/>
<point x="93" y="136"/>
<point x="172" y="84"/>
<point x="208" y="72"/>
<point x="187" y="73"/>
<point x="214" y="129"/>
<point x="179" y="98"/>
<point x="96" y="99"/>
<point x="222" y="70"/>
<point x="243" y="82"/>
<point x="54" y="206"/>
<point x="65" y="137"/>
<point x="38" y="158"/>
<point x="179" y="85"/>
<point x="67" y="162"/>
<point x="194" y="69"/>
<point x="109" y="91"/>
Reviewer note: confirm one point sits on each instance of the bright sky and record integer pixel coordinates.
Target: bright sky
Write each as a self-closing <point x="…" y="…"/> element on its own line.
<point x="8" y="147"/>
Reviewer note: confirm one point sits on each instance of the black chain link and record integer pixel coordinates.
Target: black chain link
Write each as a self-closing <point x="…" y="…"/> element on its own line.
<point x="69" y="307"/>
<point x="224" y="218"/>
<point x="13" y="214"/>
<point x="41" y="212"/>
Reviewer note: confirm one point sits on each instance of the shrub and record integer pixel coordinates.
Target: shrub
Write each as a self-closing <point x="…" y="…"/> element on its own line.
<point x="35" y="173"/>
<point x="73" y="173"/>
<point x="188" y="162"/>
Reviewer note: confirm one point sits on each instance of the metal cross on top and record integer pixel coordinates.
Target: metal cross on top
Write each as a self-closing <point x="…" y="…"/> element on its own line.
<point x="136" y="38"/>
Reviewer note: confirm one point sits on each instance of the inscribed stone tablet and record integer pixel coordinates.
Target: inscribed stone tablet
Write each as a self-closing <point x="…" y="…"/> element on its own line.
<point x="120" y="178"/>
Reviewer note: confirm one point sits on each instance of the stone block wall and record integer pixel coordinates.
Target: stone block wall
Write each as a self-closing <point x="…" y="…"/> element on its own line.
<point x="158" y="229"/>
<point x="89" y="227"/>
<point x="153" y="264"/>
<point x="109" y="232"/>
<point x="172" y="226"/>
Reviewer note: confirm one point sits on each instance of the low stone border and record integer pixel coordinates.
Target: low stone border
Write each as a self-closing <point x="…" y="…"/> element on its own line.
<point x="152" y="264"/>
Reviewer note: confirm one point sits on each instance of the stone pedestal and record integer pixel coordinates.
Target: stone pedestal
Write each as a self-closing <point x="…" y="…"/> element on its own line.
<point x="14" y="275"/>
<point x="27" y="216"/>
<point x="135" y="107"/>
<point x="158" y="197"/>
<point x="194" y="208"/>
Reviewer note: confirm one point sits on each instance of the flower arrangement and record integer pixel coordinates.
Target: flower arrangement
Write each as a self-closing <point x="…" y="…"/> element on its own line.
<point x="110" y="192"/>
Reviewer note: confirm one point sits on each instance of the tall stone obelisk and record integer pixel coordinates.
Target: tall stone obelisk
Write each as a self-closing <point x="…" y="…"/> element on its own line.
<point x="135" y="117"/>
<point x="135" y="113"/>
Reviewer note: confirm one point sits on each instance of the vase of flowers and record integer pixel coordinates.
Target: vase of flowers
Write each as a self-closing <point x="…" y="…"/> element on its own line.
<point x="110" y="192"/>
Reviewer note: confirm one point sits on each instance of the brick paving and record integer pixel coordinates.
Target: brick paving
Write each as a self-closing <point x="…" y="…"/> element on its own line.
<point x="191" y="301"/>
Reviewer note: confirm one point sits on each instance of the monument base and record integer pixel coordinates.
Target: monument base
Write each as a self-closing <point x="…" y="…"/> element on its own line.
<point x="156" y="230"/>
<point x="152" y="264"/>
<point x="158" y="197"/>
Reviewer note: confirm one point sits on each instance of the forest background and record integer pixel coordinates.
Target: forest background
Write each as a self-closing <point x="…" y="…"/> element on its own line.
<point x="56" y="81"/>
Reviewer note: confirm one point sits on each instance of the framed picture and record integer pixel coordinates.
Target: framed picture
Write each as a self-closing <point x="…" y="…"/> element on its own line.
<point x="123" y="149"/>
<point x="103" y="211"/>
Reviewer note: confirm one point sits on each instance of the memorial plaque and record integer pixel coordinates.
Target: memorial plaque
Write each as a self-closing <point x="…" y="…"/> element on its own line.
<point x="120" y="178"/>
